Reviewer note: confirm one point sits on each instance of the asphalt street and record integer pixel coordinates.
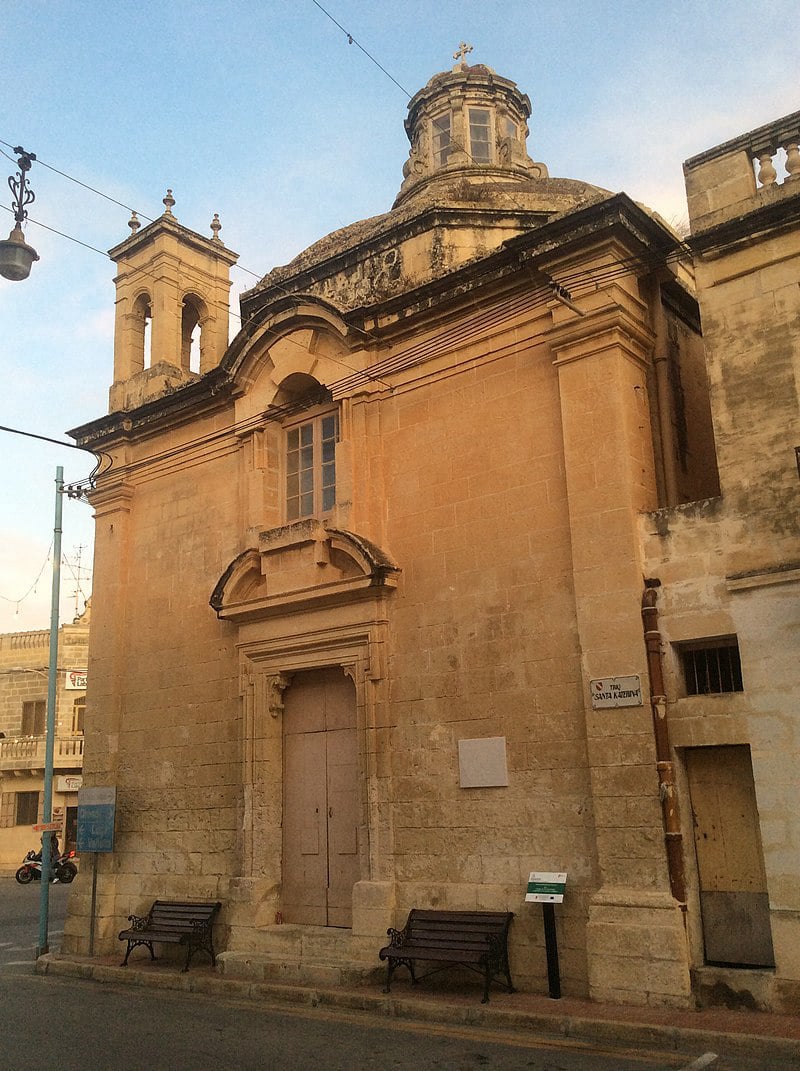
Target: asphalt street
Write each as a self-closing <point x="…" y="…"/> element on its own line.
<point x="60" y="1024"/>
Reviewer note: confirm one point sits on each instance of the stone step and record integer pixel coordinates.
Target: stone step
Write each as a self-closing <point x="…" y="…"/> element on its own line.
<point x="255" y="967"/>
<point x="301" y="955"/>
<point x="320" y="943"/>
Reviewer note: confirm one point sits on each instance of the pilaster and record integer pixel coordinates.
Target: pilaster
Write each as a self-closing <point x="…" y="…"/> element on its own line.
<point x="602" y="359"/>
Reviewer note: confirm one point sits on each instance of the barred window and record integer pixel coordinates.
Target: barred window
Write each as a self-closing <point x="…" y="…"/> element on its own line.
<point x="711" y="668"/>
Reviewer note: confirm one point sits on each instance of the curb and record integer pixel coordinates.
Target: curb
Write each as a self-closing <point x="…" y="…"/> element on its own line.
<point x="615" y="1033"/>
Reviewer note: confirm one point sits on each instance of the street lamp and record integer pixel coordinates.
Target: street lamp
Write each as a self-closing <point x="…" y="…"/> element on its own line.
<point x="16" y="256"/>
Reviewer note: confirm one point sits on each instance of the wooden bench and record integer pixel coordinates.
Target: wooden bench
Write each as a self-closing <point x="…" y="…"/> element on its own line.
<point x="173" y="922"/>
<point x="477" y="940"/>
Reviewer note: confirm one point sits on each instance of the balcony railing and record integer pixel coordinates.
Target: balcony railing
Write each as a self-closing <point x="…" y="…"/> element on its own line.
<point x="28" y="752"/>
<point x="778" y="143"/>
<point x="757" y="167"/>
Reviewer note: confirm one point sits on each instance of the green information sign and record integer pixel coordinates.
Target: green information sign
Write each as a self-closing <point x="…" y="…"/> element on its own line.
<point x="546" y="888"/>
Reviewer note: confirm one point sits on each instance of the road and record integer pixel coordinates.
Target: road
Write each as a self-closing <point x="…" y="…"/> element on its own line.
<point x="51" y="1022"/>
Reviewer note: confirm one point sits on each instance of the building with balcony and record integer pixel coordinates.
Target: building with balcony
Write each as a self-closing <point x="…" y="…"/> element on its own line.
<point x="730" y="580"/>
<point x="23" y="709"/>
<point x="431" y="577"/>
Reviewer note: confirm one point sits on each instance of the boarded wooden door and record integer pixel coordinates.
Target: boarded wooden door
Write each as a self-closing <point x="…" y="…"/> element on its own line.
<point x="730" y="863"/>
<point x="320" y="799"/>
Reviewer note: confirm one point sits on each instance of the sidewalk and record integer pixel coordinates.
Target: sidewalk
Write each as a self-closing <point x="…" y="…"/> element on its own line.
<point x="774" y="1040"/>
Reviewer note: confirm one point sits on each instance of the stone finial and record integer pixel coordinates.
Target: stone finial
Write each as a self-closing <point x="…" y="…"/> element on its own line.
<point x="216" y="227"/>
<point x="169" y="201"/>
<point x="461" y="54"/>
<point x="134" y="223"/>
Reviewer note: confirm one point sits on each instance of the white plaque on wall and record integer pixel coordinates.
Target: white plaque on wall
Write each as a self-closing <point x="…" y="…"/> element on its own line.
<point x="482" y="763"/>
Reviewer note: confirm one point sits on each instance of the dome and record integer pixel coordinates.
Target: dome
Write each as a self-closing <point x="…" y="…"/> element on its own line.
<point x="468" y="186"/>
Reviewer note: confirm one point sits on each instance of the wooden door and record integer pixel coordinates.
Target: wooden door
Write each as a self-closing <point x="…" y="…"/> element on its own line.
<point x="733" y="887"/>
<point x="320" y="813"/>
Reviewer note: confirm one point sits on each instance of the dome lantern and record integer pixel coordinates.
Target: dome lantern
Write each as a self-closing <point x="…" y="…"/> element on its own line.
<point x="467" y="123"/>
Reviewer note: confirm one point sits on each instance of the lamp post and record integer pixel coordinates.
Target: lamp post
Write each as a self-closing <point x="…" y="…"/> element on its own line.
<point x="50" y="729"/>
<point x="16" y="256"/>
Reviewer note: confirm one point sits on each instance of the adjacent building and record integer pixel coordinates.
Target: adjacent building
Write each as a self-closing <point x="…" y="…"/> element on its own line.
<point x="467" y="557"/>
<point x="24" y="661"/>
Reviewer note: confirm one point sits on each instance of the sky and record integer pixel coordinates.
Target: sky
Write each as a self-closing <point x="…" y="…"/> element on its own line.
<point x="264" y="113"/>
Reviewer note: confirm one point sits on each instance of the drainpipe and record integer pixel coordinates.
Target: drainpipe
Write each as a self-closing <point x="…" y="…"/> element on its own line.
<point x="673" y="838"/>
<point x="664" y="399"/>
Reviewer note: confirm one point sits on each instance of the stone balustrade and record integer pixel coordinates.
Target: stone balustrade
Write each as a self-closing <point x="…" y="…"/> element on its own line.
<point x="777" y="143"/>
<point x="744" y="173"/>
<point x="28" y="752"/>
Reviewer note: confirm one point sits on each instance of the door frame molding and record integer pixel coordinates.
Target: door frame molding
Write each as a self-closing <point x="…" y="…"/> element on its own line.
<point x="354" y="638"/>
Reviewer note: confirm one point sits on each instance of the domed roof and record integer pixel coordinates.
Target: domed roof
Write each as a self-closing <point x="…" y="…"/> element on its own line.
<point x="468" y="176"/>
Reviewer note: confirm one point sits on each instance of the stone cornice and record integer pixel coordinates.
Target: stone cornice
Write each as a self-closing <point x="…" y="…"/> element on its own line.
<point x="184" y="402"/>
<point x="763" y="222"/>
<point x="282" y="280"/>
<point x="531" y="251"/>
<point x="165" y="225"/>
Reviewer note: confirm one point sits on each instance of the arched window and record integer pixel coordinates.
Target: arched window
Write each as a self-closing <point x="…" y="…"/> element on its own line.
<point x="311" y="432"/>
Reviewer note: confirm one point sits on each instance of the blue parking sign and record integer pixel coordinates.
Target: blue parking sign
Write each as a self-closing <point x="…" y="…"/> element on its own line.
<point x="96" y="810"/>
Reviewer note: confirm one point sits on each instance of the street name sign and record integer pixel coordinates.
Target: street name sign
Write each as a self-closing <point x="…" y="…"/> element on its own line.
<point x="616" y="692"/>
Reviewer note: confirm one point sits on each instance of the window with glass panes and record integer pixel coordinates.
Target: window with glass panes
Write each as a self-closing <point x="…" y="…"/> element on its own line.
<point x="441" y="138"/>
<point x="311" y="467"/>
<point x="480" y="148"/>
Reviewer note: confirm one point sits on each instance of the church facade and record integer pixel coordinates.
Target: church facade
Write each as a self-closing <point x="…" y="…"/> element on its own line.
<point x="383" y="587"/>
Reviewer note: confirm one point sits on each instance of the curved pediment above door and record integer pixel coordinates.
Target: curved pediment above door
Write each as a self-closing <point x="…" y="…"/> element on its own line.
<point x="300" y="566"/>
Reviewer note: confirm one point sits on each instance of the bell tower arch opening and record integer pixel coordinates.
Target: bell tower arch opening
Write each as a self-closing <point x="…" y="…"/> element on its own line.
<point x="194" y="316"/>
<point x="173" y="288"/>
<point x="140" y="331"/>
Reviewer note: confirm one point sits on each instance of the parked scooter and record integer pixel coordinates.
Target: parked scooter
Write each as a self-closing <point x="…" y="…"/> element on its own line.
<point x="61" y="868"/>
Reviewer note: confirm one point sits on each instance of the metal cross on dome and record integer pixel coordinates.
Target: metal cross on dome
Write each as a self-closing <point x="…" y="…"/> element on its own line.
<point x="462" y="52"/>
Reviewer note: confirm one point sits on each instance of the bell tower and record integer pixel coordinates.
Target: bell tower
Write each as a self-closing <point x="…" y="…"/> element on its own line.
<point x="172" y="302"/>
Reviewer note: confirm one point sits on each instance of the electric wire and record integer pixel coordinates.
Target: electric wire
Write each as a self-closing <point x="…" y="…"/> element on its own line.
<point x="455" y="143"/>
<point x="578" y="281"/>
<point x="77" y="182"/>
<point x="587" y="278"/>
<point x="19" y="602"/>
<point x="223" y="308"/>
<point x="396" y="364"/>
<point x="352" y="41"/>
<point x="591" y="278"/>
